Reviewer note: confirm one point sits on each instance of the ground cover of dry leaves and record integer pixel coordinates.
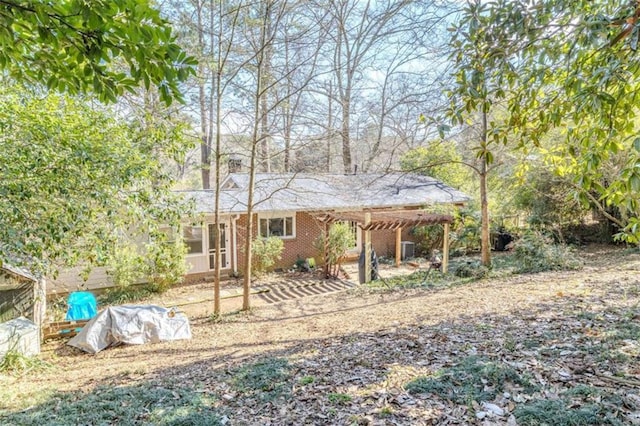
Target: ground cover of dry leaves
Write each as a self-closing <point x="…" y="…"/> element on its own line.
<point x="549" y="348"/>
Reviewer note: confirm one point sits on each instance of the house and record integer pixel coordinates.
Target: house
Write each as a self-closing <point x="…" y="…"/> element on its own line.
<point x="297" y="207"/>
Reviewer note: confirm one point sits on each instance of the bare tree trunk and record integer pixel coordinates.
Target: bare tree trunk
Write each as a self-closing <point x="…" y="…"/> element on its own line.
<point x="287" y="141"/>
<point x="485" y="246"/>
<point x="264" y="135"/>
<point x="205" y="147"/>
<point x="218" y="157"/>
<point x="329" y="126"/>
<point x="287" y="120"/>
<point x="255" y="141"/>
<point x="346" y="136"/>
<point x="265" y="140"/>
<point x="221" y="55"/>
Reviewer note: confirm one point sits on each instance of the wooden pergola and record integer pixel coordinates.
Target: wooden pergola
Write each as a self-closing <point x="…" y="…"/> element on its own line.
<point x="376" y="220"/>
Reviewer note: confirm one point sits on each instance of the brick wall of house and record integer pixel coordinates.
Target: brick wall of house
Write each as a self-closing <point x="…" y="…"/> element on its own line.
<point x="384" y="242"/>
<point x="307" y="231"/>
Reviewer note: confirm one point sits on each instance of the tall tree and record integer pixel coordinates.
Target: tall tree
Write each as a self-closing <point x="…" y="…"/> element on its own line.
<point x="577" y="67"/>
<point x="105" y="46"/>
<point x="73" y="178"/>
<point x="262" y="47"/>
<point x="479" y="87"/>
<point x="372" y="49"/>
<point x="212" y="30"/>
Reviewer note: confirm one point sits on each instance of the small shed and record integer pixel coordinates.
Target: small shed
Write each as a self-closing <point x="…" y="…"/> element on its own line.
<point x="22" y="294"/>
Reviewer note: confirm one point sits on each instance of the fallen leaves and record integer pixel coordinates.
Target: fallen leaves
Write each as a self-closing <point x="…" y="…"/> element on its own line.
<point x="546" y="347"/>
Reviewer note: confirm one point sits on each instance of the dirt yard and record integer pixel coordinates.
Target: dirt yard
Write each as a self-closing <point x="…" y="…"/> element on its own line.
<point x="503" y="351"/>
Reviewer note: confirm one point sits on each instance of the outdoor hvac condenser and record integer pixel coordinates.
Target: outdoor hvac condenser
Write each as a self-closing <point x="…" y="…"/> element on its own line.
<point x="408" y="250"/>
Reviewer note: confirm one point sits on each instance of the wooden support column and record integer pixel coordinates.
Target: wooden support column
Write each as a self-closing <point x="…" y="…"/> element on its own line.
<point x="445" y="249"/>
<point x="40" y="303"/>
<point x="367" y="248"/>
<point x="327" y="225"/>
<point x="398" y="246"/>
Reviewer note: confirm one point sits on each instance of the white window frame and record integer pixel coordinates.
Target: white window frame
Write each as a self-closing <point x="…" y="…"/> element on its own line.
<point x="202" y="237"/>
<point x="278" y="215"/>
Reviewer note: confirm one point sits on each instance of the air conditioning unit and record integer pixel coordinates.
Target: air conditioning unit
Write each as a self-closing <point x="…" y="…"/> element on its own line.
<point x="407" y="250"/>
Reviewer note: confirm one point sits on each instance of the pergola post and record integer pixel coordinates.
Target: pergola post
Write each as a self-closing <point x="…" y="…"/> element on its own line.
<point x="367" y="248"/>
<point x="40" y="303"/>
<point x="445" y="248"/>
<point x="398" y="246"/>
<point x="327" y="224"/>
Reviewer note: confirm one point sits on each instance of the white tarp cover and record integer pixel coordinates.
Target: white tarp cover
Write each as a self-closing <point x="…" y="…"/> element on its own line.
<point x="133" y="324"/>
<point x="20" y="335"/>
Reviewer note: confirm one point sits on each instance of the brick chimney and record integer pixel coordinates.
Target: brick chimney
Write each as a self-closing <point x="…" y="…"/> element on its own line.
<point x="234" y="164"/>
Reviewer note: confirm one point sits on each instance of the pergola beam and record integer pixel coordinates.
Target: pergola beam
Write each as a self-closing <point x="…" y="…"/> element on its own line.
<point x="388" y="220"/>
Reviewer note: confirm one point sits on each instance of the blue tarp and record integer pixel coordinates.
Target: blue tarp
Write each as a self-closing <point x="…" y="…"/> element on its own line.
<point x="82" y="306"/>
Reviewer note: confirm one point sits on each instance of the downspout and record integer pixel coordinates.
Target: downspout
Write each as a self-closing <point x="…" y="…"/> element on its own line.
<point x="234" y="238"/>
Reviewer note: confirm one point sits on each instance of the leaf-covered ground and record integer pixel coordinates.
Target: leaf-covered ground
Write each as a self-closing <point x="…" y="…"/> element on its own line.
<point x="557" y="348"/>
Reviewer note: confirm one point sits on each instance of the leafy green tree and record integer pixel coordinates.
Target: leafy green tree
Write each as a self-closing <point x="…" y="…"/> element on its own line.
<point x="574" y="65"/>
<point x="73" y="180"/>
<point x="104" y="46"/>
<point x="440" y="160"/>
<point x="340" y="240"/>
<point x="478" y="89"/>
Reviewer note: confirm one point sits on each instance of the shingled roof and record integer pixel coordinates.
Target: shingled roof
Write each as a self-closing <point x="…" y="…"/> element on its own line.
<point x="321" y="192"/>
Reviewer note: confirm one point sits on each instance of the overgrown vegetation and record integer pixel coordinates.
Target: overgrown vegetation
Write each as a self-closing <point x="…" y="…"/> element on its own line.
<point x="122" y="295"/>
<point x="595" y="408"/>
<point x="159" y="264"/>
<point x="126" y="266"/>
<point x="267" y="379"/>
<point x="78" y="176"/>
<point x="266" y="252"/>
<point x="535" y="252"/>
<point x="464" y="234"/>
<point x="339" y="241"/>
<point x="148" y="403"/>
<point x="472" y="379"/>
<point x="473" y="270"/>
<point x="166" y="264"/>
<point x="14" y="362"/>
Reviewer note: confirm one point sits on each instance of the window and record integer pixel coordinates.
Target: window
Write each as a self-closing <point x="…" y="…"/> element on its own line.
<point x="169" y="235"/>
<point x="192" y="236"/>
<point x="277" y="226"/>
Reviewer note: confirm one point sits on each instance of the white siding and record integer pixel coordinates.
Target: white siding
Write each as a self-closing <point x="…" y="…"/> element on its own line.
<point x="69" y="280"/>
<point x="198" y="263"/>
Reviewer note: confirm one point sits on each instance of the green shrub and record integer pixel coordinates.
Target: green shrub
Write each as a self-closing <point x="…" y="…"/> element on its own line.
<point x="340" y="240"/>
<point x="126" y="266"/>
<point x="266" y="252"/>
<point x="466" y="235"/>
<point x="166" y="265"/>
<point x="429" y="237"/>
<point x="471" y="270"/>
<point x="535" y="252"/>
